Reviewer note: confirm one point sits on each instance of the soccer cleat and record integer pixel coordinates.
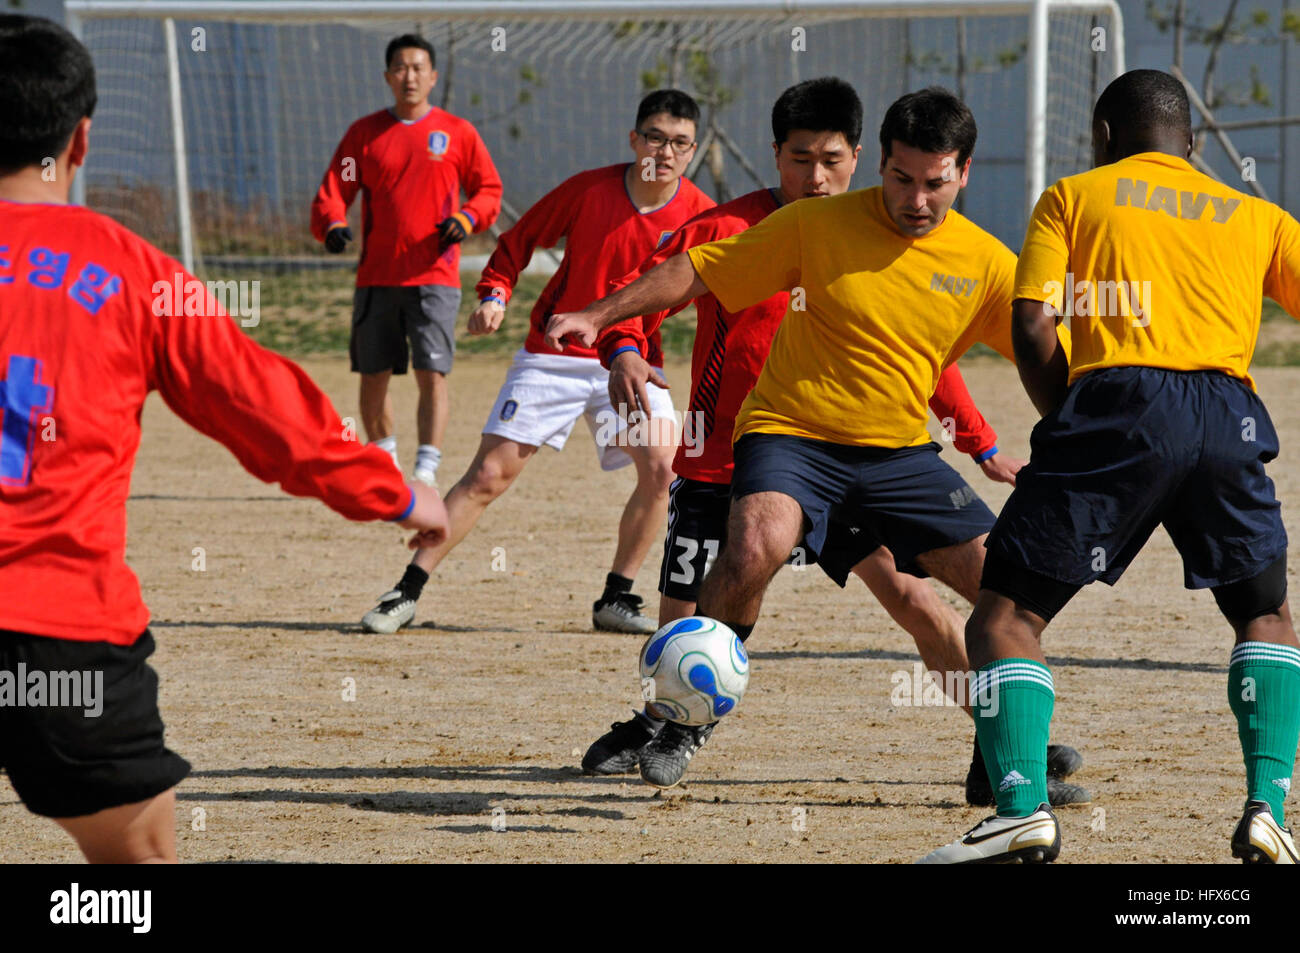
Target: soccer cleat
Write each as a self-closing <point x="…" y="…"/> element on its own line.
<point x="622" y="613"/>
<point x="618" y="750"/>
<point x="395" y="609"/>
<point x="1062" y="761"/>
<point x="1259" y="839"/>
<point x="426" y="476"/>
<point x="1035" y="839"/>
<point x="664" y="759"/>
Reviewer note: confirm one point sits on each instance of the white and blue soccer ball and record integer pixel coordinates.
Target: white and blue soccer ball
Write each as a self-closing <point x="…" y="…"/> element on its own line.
<point x="699" y="668"/>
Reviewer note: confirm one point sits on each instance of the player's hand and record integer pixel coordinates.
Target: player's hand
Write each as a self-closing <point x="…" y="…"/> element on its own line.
<point x="1002" y="469"/>
<point x="580" y="327"/>
<point x="452" y="230"/>
<point x="337" y="238"/>
<point x="629" y="373"/>
<point x="486" y="318"/>
<point x="428" y="517"/>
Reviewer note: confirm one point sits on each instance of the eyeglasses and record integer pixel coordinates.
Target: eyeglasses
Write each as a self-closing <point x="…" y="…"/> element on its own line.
<point x="656" y="140"/>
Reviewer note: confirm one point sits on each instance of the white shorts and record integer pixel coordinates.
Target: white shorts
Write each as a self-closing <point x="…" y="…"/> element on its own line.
<point x="545" y="394"/>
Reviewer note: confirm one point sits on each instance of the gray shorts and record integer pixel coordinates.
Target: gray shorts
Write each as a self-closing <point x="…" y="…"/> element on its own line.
<point x="384" y="318"/>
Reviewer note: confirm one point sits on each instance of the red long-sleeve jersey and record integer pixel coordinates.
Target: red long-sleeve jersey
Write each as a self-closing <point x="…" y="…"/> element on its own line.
<point x="731" y="347"/>
<point x="606" y="237"/>
<point x="93" y="318"/>
<point x="410" y="176"/>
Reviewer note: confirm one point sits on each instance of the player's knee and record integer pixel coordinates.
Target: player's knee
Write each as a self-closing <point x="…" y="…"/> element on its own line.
<point x="1263" y="594"/>
<point x="659" y="474"/>
<point x="487" y="480"/>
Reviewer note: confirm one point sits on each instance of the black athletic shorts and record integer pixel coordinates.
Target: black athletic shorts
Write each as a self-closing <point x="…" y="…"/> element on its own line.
<point x="79" y="724"/>
<point x="1132" y="448"/>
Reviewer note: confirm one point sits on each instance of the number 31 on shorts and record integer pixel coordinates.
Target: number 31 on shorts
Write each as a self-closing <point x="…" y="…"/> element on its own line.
<point x="685" y="573"/>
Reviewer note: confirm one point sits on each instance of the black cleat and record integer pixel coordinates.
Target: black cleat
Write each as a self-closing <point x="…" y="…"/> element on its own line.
<point x="664" y="759"/>
<point x="618" y="750"/>
<point x="1062" y="761"/>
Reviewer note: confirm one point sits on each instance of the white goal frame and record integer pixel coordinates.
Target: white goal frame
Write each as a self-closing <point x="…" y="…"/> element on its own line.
<point x="270" y="11"/>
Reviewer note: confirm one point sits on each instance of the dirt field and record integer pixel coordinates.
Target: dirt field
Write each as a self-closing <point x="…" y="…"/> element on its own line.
<point x="481" y="711"/>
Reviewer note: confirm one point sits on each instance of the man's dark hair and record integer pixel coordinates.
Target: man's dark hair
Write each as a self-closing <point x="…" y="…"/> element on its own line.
<point x="408" y="41"/>
<point x="47" y="86"/>
<point x="827" y="104"/>
<point x="1145" y="104"/>
<point x="674" y="102"/>
<point x="932" y="120"/>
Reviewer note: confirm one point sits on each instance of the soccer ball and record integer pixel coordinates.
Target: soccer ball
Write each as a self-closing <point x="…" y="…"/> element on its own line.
<point x="699" y="668"/>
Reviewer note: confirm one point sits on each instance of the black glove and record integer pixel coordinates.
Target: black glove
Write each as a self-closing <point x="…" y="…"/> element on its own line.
<point x="451" y="231"/>
<point x="337" y="238"/>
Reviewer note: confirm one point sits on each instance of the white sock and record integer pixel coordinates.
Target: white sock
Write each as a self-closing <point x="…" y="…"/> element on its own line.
<point x="389" y="444"/>
<point x="427" y="457"/>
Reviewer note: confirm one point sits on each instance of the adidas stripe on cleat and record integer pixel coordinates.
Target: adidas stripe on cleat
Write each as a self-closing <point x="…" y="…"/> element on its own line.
<point x="1035" y="839"/>
<point x="664" y="759"/>
<point x="1259" y="839"/>
<point x="395" y="609"/>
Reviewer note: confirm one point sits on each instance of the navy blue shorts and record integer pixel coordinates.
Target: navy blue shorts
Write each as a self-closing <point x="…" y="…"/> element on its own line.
<point x="907" y="498"/>
<point x="1132" y="448"/>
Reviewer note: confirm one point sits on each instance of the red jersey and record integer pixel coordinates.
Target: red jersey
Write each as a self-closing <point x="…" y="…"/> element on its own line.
<point x="606" y="237"/>
<point x="86" y="332"/>
<point x="410" y="176"/>
<point x="731" y="347"/>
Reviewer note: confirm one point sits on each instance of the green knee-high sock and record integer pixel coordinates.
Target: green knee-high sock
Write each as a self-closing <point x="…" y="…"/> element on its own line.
<point x="1013" y="700"/>
<point x="1264" y="694"/>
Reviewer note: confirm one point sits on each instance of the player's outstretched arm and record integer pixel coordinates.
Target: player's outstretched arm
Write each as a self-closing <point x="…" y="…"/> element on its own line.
<point x="1040" y="358"/>
<point x="664" y="286"/>
<point x="970" y="433"/>
<point x="428" y="517"/>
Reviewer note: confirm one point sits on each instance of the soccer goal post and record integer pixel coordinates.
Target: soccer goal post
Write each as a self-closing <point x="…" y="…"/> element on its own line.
<point x="216" y="118"/>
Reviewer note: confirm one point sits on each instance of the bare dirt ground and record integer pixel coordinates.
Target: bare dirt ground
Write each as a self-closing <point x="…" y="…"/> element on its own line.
<point x="480" y="712"/>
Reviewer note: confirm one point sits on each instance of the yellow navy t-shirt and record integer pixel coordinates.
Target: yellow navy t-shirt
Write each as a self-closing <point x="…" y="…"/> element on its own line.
<point x="874" y="316"/>
<point x="1158" y="265"/>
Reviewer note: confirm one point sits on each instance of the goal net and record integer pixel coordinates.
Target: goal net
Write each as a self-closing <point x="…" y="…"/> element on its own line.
<point x="217" y="119"/>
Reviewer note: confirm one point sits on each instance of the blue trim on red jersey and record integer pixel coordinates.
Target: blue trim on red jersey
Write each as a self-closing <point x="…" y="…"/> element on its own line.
<point x="409" y="506"/>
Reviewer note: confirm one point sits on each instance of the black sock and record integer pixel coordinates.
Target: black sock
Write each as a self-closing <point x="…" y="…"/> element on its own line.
<point x="977" y="758"/>
<point x="615" y="585"/>
<point x="742" y="631"/>
<point x="413" y="580"/>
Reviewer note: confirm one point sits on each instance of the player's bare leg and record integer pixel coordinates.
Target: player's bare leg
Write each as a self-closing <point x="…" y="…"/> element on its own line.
<point x="670" y="609"/>
<point x="140" y="833"/>
<point x="376" y="408"/>
<point x="958" y="567"/>
<point x="496" y="465"/>
<point x="651" y="445"/>
<point x="762" y="530"/>
<point x="912" y="602"/>
<point x="431" y="414"/>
